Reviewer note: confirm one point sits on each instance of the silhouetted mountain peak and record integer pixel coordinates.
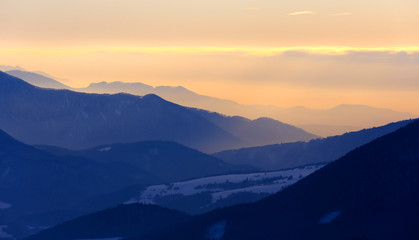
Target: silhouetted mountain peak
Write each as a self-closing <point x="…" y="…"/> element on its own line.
<point x="153" y="98"/>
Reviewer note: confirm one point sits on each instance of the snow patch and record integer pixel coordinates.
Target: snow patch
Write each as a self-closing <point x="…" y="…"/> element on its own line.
<point x="4" y="205"/>
<point x="4" y="234"/>
<point x="329" y="217"/>
<point x="105" y="149"/>
<point x="216" y="231"/>
<point x="221" y="187"/>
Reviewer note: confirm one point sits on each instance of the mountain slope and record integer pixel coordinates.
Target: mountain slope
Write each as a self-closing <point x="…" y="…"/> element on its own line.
<point x="370" y="193"/>
<point x="37" y="79"/>
<point x="169" y="161"/>
<point x="122" y="221"/>
<point x="261" y="131"/>
<point x="287" y="155"/>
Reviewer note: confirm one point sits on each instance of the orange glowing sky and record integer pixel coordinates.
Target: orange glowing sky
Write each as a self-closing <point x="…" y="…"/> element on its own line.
<point x="312" y="53"/>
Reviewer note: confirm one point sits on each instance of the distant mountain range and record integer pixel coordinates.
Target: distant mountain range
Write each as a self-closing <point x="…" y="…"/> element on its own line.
<point x="289" y="155"/>
<point x="370" y="193"/>
<point x="328" y="122"/>
<point x="75" y="120"/>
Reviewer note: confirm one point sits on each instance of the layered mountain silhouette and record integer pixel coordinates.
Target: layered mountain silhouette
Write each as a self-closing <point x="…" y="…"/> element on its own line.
<point x="370" y="193"/>
<point x="167" y="161"/>
<point x="325" y="122"/>
<point x="289" y="155"/>
<point x="116" y="223"/>
<point x="75" y="120"/>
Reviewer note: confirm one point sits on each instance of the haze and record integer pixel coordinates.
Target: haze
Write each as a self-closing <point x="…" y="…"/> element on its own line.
<point x="315" y="54"/>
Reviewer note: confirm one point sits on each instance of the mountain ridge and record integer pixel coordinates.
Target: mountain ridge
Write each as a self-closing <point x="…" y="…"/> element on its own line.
<point x="277" y="156"/>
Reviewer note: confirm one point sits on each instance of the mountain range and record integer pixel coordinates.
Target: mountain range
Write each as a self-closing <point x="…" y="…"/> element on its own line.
<point x="323" y="122"/>
<point x="370" y="193"/>
<point x="74" y="120"/>
<point x="322" y="150"/>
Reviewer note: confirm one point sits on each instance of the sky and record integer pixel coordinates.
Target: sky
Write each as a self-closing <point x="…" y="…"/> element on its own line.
<point x="317" y="54"/>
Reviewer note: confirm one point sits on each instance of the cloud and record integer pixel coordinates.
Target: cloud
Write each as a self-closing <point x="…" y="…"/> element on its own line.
<point x="340" y="14"/>
<point x="301" y="13"/>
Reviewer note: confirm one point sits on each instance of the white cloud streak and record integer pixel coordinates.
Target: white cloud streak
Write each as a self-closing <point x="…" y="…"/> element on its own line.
<point x="301" y="13"/>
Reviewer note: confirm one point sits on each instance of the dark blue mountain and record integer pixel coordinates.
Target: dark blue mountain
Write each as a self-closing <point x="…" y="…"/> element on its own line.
<point x="168" y="161"/>
<point x="289" y="155"/>
<point x="119" y="222"/>
<point x="75" y="120"/>
<point x="370" y="193"/>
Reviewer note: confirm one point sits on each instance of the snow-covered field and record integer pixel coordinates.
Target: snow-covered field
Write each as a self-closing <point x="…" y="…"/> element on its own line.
<point x="4" y="205"/>
<point x="223" y="186"/>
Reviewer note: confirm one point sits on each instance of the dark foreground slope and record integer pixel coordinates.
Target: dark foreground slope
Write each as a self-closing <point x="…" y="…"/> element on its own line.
<point x="288" y="155"/>
<point x="371" y="193"/>
<point x="122" y="221"/>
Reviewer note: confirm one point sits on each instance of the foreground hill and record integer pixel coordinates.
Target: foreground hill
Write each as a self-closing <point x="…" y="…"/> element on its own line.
<point x="167" y="161"/>
<point x="115" y="223"/>
<point x="288" y="155"/>
<point x="370" y="193"/>
<point x="78" y="120"/>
